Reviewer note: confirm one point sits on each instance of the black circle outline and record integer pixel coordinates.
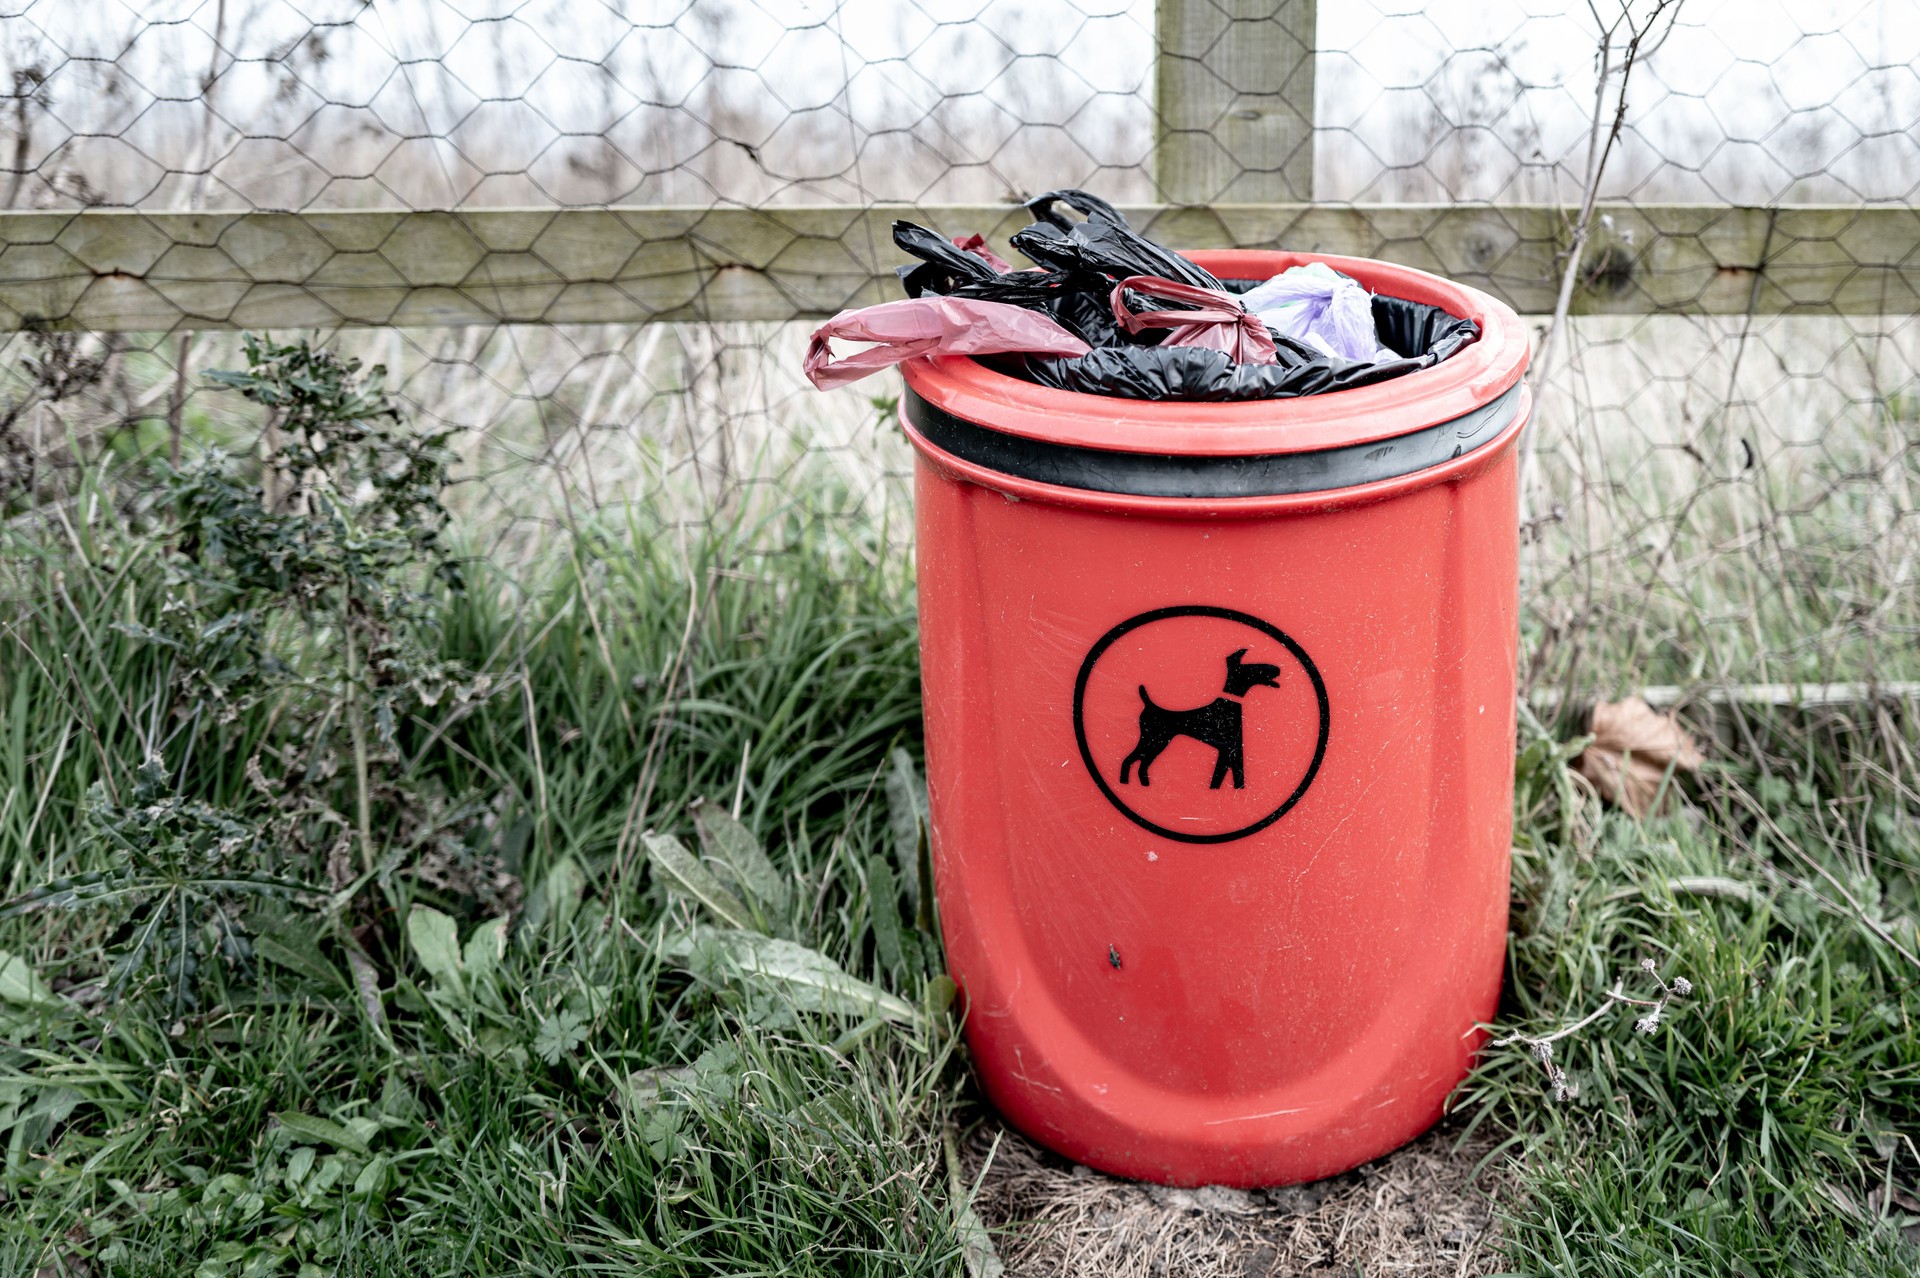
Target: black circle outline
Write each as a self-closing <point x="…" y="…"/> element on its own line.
<point x="1225" y="614"/>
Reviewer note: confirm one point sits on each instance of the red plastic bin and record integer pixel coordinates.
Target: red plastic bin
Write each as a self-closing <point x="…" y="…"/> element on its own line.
<point x="1220" y="719"/>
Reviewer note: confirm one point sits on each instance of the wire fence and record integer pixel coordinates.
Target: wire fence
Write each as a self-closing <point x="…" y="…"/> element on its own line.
<point x="594" y="237"/>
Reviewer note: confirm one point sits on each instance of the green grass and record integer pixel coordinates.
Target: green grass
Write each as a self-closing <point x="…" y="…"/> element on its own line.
<point x="595" y="1106"/>
<point x="1760" y="1129"/>
<point x="150" y="1143"/>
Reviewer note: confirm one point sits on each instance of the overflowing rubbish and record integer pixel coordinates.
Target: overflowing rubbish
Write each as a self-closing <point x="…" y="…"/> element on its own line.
<point x="1106" y="311"/>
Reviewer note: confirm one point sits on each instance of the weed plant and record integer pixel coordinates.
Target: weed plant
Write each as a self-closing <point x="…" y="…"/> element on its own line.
<point x="398" y="1058"/>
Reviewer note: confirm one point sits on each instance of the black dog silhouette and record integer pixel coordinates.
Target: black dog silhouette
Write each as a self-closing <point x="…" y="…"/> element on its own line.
<point x="1216" y="724"/>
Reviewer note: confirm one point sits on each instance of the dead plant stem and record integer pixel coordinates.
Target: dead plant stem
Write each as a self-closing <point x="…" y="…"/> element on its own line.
<point x="539" y="766"/>
<point x="649" y="772"/>
<point x="363" y="799"/>
<point x="1602" y="136"/>
<point x="1615" y="995"/>
<point x="1860" y="913"/>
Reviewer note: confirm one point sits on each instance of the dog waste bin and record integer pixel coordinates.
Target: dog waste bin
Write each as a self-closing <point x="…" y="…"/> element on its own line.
<point x="1220" y="719"/>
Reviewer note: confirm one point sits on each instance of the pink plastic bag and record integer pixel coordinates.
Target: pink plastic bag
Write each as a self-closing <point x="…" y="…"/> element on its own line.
<point x="1221" y="323"/>
<point x="931" y="326"/>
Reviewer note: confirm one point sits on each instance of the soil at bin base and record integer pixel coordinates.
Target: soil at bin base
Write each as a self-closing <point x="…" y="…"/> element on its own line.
<point x="1419" y="1211"/>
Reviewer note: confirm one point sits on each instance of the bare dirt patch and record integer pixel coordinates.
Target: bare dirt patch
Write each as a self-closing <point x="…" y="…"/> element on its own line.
<point x="1420" y="1212"/>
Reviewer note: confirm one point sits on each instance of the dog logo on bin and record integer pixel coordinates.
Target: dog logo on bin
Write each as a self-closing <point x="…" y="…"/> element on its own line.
<point x="1201" y="724"/>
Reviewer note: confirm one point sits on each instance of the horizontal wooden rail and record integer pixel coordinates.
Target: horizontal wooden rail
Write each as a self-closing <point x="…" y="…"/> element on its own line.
<point x="123" y="270"/>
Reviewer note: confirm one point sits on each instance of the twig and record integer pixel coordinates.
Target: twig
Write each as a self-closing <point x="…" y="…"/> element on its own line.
<point x="643" y="787"/>
<point x="366" y="981"/>
<point x="177" y="402"/>
<point x="358" y="733"/>
<point x="1615" y="995"/>
<point x="1865" y="919"/>
<point x="1599" y="151"/>
<point x="1541" y="1045"/>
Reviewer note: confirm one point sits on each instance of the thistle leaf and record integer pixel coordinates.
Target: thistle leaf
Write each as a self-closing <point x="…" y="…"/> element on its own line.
<point x="19" y="983"/>
<point x="322" y="1131"/>
<point x="436" y="941"/>
<point x="884" y="905"/>
<point x="294" y="948"/>
<point x="809" y="979"/>
<point x="739" y="854"/>
<point x="686" y="875"/>
<point x="906" y="813"/>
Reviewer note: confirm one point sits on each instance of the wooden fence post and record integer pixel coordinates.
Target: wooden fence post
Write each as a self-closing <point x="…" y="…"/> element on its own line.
<point x="1233" y="92"/>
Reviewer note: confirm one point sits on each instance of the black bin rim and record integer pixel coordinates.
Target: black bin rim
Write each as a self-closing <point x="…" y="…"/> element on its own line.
<point x="1207" y="476"/>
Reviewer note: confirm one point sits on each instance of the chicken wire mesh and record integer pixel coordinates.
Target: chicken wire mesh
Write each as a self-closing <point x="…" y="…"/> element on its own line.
<point x="1721" y="484"/>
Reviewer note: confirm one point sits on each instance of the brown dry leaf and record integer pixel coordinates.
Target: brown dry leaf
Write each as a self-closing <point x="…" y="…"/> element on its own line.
<point x="1418" y="1212"/>
<point x="1632" y="749"/>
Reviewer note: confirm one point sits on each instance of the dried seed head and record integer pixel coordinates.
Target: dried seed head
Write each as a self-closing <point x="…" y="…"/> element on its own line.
<point x="1646" y="965"/>
<point x="1543" y="1050"/>
<point x="1682" y="986"/>
<point x="1648" y="1023"/>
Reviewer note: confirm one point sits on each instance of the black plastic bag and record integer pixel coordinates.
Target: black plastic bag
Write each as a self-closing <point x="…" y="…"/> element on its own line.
<point x="1085" y="203"/>
<point x="1196" y="374"/>
<point x="1423" y="335"/>
<point x="944" y="266"/>
<point x="1103" y="244"/>
<point x="1076" y="300"/>
<point x="1418" y="330"/>
<point x="1082" y="262"/>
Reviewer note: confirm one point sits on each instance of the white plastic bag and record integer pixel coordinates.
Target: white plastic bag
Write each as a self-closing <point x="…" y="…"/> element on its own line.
<point x="1323" y="308"/>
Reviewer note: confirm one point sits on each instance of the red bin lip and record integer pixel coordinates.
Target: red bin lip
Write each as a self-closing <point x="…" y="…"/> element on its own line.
<point x="1473" y="378"/>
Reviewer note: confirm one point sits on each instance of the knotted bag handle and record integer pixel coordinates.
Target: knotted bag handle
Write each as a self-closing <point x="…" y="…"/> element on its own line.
<point x="1218" y="323"/>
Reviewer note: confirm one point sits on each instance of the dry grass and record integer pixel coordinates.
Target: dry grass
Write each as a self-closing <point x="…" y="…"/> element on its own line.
<point x="1421" y="1212"/>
